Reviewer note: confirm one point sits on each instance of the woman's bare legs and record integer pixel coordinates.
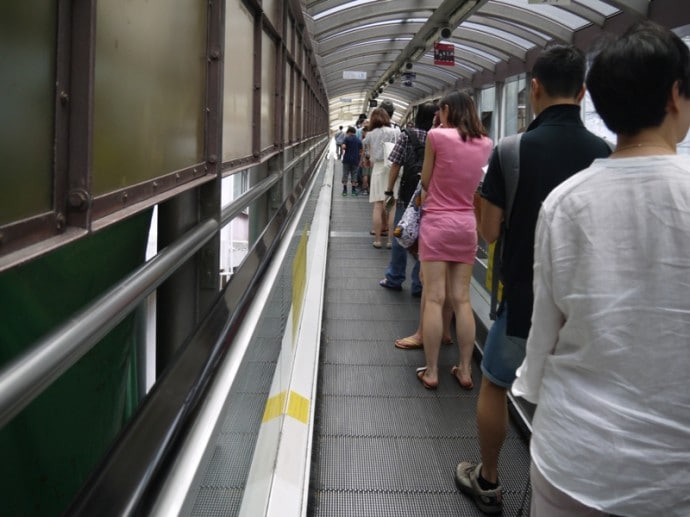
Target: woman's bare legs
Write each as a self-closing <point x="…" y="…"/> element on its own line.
<point x="378" y="221"/>
<point x="432" y="319"/>
<point x="417" y="336"/>
<point x="459" y="276"/>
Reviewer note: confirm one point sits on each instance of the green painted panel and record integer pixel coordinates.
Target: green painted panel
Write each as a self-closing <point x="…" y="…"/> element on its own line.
<point x="149" y="93"/>
<point x="49" y="449"/>
<point x="27" y="79"/>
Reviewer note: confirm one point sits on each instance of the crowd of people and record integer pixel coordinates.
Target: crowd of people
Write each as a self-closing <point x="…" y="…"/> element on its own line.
<point x="594" y="323"/>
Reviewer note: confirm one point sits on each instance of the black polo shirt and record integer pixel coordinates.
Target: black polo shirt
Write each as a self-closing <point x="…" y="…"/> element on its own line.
<point x="555" y="146"/>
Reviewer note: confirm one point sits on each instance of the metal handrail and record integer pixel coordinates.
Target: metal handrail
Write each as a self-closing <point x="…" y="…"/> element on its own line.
<point x="27" y="376"/>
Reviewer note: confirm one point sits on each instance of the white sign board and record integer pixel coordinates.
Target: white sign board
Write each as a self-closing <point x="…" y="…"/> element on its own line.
<point x="353" y="74"/>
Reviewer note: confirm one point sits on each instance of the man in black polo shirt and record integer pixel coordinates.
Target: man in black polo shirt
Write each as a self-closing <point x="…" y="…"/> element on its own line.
<point x="555" y="146"/>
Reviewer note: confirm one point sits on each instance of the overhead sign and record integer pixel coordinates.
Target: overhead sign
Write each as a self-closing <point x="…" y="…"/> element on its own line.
<point x="353" y="74"/>
<point x="444" y="54"/>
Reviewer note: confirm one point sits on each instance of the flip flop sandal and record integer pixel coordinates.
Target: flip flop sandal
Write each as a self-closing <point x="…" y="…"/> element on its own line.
<point x="420" y="376"/>
<point x="453" y="371"/>
<point x="376" y="244"/>
<point x="408" y="344"/>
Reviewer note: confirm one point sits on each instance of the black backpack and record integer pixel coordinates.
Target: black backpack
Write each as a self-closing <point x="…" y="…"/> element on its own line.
<point x="412" y="168"/>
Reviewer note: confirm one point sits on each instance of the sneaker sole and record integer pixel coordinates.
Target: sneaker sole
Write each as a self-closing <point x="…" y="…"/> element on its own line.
<point x="488" y="510"/>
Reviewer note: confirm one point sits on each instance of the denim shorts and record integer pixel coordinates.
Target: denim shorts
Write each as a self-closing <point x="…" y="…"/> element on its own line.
<point x="349" y="169"/>
<point x="502" y="354"/>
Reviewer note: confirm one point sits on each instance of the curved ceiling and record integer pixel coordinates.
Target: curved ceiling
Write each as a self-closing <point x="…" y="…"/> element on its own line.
<point x="362" y="48"/>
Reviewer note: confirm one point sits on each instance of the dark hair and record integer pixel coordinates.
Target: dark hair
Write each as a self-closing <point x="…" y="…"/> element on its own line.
<point x="388" y="106"/>
<point x="561" y="70"/>
<point x="425" y="116"/>
<point x="379" y="118"/>
<point x="631" y="78"/>
<point x="351" y="129"/>
<point x="462" y="114"/>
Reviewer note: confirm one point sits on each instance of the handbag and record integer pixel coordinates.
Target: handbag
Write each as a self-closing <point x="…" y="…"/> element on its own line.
<point x="406" y="231"/>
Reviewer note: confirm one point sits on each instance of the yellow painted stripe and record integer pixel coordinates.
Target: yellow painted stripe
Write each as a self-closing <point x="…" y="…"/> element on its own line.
<point x="298" y="407"/>
<point x="299" y="273"/>
<point x="274" y="406"/>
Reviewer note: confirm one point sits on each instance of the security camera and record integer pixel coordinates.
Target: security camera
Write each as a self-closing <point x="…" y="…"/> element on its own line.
<point x="381" y="89"/>
<point x="391" y="80"/>
<point x="408" y="65"/>
<point x="446" y="32"/>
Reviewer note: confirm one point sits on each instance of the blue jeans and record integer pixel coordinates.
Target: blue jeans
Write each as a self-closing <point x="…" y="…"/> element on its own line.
<point x="503" y="354"/>
<point x="397" y="267"/>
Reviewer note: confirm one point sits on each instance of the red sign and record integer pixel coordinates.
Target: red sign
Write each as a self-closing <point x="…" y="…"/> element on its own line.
<point x="444" y="54"/>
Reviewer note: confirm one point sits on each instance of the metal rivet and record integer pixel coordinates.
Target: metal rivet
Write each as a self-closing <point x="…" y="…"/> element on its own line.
<point x="78" y="199"/>
<point x="124" y="197"/>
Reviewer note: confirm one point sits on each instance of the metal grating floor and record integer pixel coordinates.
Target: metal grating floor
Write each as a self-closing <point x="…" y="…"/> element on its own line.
<point x="385" y="446"/>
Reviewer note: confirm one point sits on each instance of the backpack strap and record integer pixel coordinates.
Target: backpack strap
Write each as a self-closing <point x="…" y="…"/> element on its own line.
<point x="508" y="150"/>
<point x="509" y="159"/>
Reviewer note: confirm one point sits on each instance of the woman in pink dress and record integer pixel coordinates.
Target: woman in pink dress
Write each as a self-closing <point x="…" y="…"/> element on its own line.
<point x="453" y="160"/>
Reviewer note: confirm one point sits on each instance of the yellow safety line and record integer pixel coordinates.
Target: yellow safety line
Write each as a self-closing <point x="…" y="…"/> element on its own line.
<point x="274" y="407"/>
<point x="297" y="407"/>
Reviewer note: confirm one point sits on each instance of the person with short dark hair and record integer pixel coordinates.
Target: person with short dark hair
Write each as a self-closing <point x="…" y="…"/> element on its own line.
<point x="339" y="139"/>
<point x="608" y="353"/>
<point x="397" y="267"/>
<point x="555" y="146"/>
<point x="352" y="151"/>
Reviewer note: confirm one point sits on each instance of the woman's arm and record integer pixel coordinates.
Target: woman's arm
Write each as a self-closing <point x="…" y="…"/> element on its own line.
<point x="428" y="165"/>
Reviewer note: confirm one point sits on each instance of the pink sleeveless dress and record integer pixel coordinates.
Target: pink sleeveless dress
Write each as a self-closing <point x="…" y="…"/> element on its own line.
<point x="448" y="227"/>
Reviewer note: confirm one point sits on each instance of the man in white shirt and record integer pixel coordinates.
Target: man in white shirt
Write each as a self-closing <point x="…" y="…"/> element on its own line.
<point x="608" y="353"/>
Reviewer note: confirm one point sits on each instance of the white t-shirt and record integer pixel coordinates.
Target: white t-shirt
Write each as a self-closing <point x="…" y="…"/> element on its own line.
<point x="608" y="354"/>
<point x="375" y="139"/>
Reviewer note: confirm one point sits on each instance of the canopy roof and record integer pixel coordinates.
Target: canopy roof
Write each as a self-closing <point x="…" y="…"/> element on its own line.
<point x="364" y="48"/>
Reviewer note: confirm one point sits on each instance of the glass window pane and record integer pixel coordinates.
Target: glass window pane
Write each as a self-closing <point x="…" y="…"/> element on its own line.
<point x="149" y="94"/>
<point x="515" y="97"/>
<point x="27" y="72"/>
<point x="239" y="70"/>
<point x="487" y="103"/>
<point x="268" y="86"/>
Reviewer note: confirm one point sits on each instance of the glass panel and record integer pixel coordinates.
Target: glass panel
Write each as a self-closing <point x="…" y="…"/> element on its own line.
<point x="286" y="114"/>
<point x="271" y="7"/>
<point x="290" y="37"/>
<point x="149" y="94"/>
<point x="234" y="237"/>
<point x="600" y="7"/>
<point x="515" y="97"/>
<point x="27" y="68"/>
<point x="268" y="86"/>
<point x="557" y="14"/>
<point x="343" y="6"/>
<point x="239" y="70"/>
<point x="593" y="121"/>
<point x="493" y="31"/>
<point x="487" y="103"/>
